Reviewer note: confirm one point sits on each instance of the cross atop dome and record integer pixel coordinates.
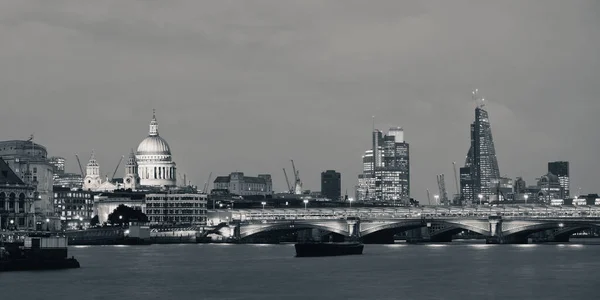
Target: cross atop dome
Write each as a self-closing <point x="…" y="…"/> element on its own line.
<point x="153" y="124"/>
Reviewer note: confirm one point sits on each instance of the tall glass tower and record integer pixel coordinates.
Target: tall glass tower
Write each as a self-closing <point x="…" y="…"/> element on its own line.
<point x="481" y="166"/>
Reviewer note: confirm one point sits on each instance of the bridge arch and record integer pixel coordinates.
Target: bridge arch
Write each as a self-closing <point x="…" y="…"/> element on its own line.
<point x="565" y="228"/>
<point x="450" y="226"/>
<point x="251" y="230"/>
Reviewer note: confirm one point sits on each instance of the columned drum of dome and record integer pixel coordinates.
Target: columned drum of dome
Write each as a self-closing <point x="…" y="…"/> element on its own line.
<point x="153" y="156"/>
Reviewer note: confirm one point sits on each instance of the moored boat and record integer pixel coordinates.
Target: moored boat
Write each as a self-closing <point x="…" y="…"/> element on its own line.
<point x="36" y="253"/>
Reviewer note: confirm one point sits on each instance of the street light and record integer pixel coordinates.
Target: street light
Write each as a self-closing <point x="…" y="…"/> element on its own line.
<point x="526" y="196"/>
<point x="480" y="197"/>
<point x="305" y="204"/>
<point x="263" y="204"/>
<point x="350" y="201"/>
<point x="437" y="198"/>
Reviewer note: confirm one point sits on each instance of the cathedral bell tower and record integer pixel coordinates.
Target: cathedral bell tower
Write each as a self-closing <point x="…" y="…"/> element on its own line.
<point x="131" y="179"/>
<point x="92" y="178"/>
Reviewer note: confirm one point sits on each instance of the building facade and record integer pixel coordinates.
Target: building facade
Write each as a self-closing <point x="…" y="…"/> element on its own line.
<point x="391" y="169"/>
<point x="25" y="157"/>
<point x="176" y="209"/>
<point x="238" y="184"/>
<point x="481" y="162"/>
<point x="331" y="185"/>
<point x="58" y="165"/>
<point x="16" y="200"/>
<point x="386" y="168"/>
<point x="75" y="207"/>
<point x="365" y="190"/>
<point x="153" y="157"/>
<point x="561" y="170"/>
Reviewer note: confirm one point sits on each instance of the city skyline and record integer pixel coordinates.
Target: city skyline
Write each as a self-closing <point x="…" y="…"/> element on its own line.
<point x="252" y="93"/>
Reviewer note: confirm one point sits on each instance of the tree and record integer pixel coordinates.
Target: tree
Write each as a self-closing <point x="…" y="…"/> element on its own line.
<point x="94" y="221"/>
<point x="124" y="214"/>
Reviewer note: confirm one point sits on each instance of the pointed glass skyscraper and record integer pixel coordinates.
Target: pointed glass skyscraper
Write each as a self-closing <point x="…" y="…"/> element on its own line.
<point x="480" y="173"/>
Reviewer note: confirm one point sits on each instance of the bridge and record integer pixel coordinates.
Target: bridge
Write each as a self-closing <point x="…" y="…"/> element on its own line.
<point x="508" y="224"/>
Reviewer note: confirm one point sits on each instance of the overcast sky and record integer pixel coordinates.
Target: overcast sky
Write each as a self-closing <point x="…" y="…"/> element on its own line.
<point x="247" y="85"/>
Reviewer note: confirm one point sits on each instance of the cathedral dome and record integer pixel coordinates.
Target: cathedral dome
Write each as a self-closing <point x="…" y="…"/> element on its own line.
<point x="154" y="145"/>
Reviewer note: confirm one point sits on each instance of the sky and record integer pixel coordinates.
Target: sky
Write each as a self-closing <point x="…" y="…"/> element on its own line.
<point x="248" y="85"/>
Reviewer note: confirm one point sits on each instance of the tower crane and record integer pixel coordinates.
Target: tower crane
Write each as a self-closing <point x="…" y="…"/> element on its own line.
<point x="79" y="163"/>
<point x="297" y="182"/>
<point x="206" y="184"/>
<point x="442" y="188"/>
<point x="287" y="181"/>
<point x="118" y="164"/>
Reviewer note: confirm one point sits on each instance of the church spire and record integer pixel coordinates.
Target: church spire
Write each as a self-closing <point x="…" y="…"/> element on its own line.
<point x="153" y="124"/>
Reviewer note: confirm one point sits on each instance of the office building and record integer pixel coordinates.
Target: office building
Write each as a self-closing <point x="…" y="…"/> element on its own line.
<point x="74" y="206"/>
<point x="331" y="185"/>
<point x="386" y="168"/>
<point x="561" y="170"/>
<point x="481" y="163"/>
<point x="238" y="184"/>
<point x="176" y="209"/>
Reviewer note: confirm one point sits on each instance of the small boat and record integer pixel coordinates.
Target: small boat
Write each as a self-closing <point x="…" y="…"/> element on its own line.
<point x="313" y="249"/>
<point x="36" y="253"/>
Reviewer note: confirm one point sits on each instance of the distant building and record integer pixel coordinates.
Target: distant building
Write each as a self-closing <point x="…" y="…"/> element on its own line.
<point x="58" y="165"/>
<point x="26" y="156"/>
<point x="561" y="169"/>
<point x="69" y="180"/>
<point x="75" y="207"/>
<point x="391" y="166"/>
<point x="481" y="161"/>
<point x="386" y="168"/>
<point x="106" y="203"/>
<point x="155" y="165"/>
<point x="520" y="185"/>
<point x="93" y="180"/>
<point x="331" y="185"/>
<point x="238" y="184"/>
<point x="365" y="190"/>
<point x="549" y="188"/>
<point x="177" y="209"/>
<point x="16" y="200"/>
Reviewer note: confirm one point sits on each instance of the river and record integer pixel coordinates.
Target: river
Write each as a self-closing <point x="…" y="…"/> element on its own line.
<point x="399" y="271"/>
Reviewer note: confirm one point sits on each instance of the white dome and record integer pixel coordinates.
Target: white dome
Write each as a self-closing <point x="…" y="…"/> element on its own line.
<point x="154" y="145"/>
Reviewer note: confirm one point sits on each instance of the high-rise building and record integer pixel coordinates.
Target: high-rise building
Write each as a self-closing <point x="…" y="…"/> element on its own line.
<point x="481" y="160"/>
<point x="561" y="169"/>
<point x="365" y="190"/>
<point x="389" y="171"/>
<point x="331" y="184"/>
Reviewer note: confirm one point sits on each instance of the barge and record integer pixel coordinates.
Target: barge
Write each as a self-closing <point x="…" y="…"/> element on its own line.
<point x="36" y="253"/>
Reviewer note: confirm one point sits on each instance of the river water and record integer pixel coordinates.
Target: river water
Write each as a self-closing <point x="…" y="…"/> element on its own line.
<point x="400" y="271"/>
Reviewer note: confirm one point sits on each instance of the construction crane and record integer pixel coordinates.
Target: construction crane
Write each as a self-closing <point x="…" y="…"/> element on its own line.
<point x="206" y="184"/>
<point x="287" y="181"/>
<point x="442" y="188"/>
<point x="79" y="163"/>
<point x="297" y="181"/>
<point x="118" y="164"/>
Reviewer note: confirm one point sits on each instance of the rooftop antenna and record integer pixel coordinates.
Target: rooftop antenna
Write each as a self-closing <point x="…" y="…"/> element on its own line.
<point x="477" y="99"/>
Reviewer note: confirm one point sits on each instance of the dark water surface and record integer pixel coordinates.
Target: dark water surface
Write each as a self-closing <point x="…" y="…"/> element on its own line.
<point x="197" y="271"/>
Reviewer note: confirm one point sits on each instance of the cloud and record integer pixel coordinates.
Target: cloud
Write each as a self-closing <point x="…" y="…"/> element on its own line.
<point x="249" y="85"/>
